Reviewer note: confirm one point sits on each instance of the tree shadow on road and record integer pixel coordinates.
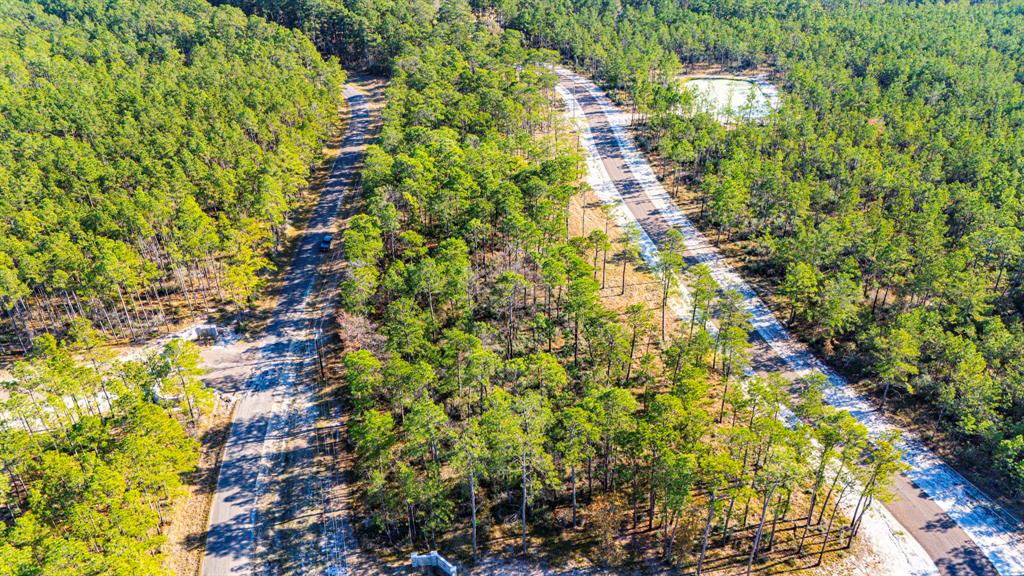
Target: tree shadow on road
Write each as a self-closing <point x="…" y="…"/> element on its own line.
<point x="966" y="560"/>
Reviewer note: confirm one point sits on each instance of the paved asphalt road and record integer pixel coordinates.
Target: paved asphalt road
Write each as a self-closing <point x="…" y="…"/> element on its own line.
<point x="949" y="546"/>
<point x="277" y="403"/>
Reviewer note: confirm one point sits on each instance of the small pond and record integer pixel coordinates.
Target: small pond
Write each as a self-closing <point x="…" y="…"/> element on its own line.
<point x="730" y="97"/>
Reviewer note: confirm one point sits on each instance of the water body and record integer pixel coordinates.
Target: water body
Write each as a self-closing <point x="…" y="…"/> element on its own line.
<point x="730" y="98"/>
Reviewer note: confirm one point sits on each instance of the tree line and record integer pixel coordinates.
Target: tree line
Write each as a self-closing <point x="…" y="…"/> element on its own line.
<point x="503" y="390"/>
<point x="150" y="157"/>
<point x="881" y="199"/>
<point x="363" y="35"/>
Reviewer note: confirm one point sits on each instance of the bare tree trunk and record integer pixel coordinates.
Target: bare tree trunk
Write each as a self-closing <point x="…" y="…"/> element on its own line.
<point x="523" y="505"/>
<point x="78" y="303"/>
<point x="163" y="313"/>
<point x="828" y="529"/>
<point x="190" y="278"/>
<point x="36" y="316"/>
<point x="472" y="504"/>
<point x="650" y="501"/>
<point x="14" y="325"/>
<point x="728" y="517"/>
<point x="184" y="291"/>
<point x="24" y="323"/>
<point x="127" y="315"/>
<point x="828" y="495"/>
<point x="707" y="533"/>
<point x="670" y="525"/>
<point x="66" y="305"/>
<point x="760" y="530"/>
<point x="215" y="270"/>
<point x="44" y="305"/>
<point x="572" y="475"/>
<point x="775" y="522"/>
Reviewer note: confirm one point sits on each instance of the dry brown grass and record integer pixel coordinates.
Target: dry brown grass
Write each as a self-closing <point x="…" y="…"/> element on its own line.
<point x="708" y="69"/>
<point x="642" y="286"/>
<point x="188" y="521"/>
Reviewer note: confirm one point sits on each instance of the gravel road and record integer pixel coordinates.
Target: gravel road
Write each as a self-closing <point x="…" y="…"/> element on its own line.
<point x="277" y="406"/>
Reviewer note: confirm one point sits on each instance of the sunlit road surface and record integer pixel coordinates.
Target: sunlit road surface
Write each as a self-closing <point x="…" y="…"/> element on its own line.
<point x="961" y="530"/>
<point x="278" y="404"/>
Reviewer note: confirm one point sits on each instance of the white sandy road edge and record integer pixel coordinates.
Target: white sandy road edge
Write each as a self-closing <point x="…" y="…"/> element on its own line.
<point x="902" y="554"/>
<point x="995" y="530"/>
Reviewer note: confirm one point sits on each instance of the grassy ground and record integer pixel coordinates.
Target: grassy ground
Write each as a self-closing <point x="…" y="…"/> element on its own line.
<point x="185" y="535"/>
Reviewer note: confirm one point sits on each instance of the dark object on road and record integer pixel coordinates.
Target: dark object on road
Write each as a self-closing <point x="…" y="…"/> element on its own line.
<point x="325" y="243"/>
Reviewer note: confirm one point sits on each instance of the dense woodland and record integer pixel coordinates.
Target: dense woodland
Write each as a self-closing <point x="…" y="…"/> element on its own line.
<point x="882" y="199"/>
<point x="502" y="397"/>
<point x="150" y="155"/>
<point x="363" y="34"/>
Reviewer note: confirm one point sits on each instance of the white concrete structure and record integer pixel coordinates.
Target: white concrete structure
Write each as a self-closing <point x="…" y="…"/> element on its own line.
<point x="434" y="560"/>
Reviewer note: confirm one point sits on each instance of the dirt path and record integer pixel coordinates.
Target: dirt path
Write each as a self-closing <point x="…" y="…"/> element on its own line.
<point x="268" y="511"/>
<point x="983" y="539"/>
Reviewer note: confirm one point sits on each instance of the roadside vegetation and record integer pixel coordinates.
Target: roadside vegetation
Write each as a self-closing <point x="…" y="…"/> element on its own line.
<point x="881" y="201"/>
<point x="150" y="156"/>
<point x="363" y="35"/>
<point x="506" y="407"/>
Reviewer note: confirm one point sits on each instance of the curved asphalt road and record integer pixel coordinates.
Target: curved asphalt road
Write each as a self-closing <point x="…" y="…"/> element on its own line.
<point x="279" y="405"/>
<point x="984" y="538"/>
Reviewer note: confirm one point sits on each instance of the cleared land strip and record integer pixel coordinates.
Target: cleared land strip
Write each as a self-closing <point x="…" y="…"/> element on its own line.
<point x="279" y="403"/>
<point x="961" y="529"/>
